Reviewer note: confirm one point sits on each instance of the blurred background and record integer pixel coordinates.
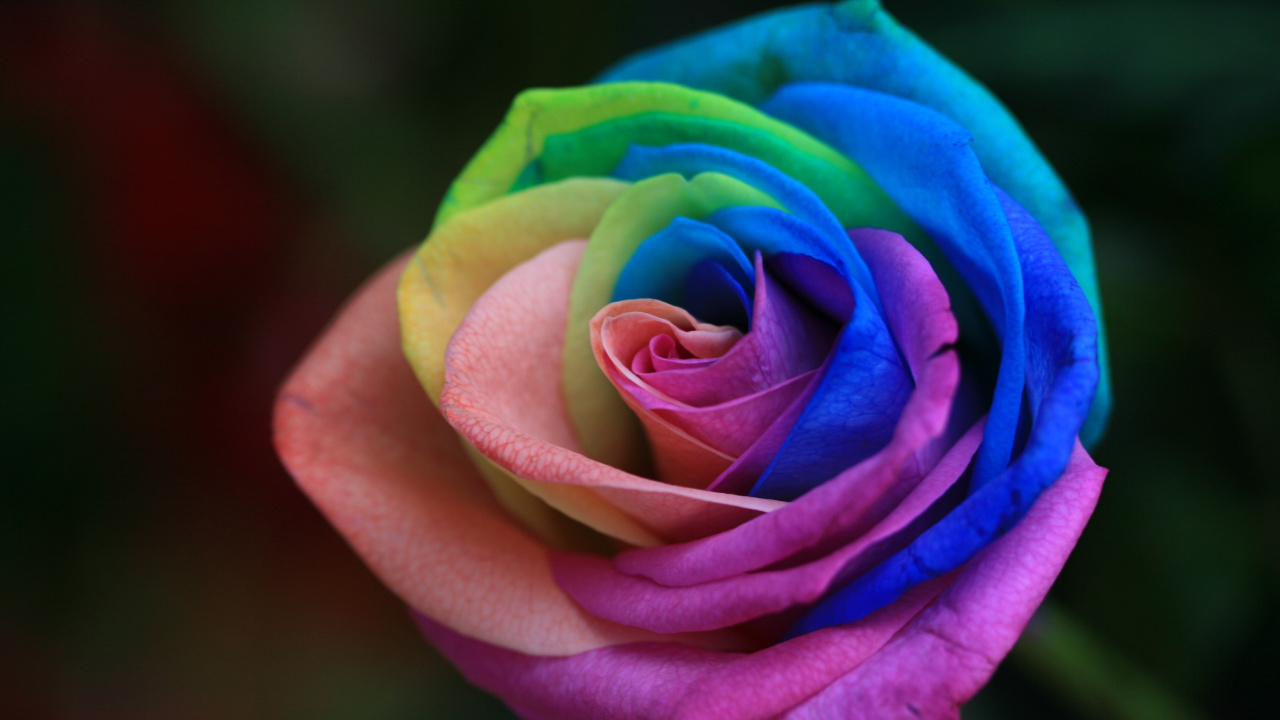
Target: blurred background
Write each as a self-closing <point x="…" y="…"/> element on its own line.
<point x="188" y="190"/>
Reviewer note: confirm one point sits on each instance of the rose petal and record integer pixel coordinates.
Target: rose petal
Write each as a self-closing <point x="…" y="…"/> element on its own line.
<point x="631" y="600"/>
<point x="947" y="653"/>
<point x="597" y="413"/>
<point x="461" y="259"/>
<point x="735" y="399"/>
<point x="469" y="253"/>
<point x="786" y="340"/>
<point x="679" y="457"/>
<point x="363" y="441"/>
<point x="652" y="681"/>
<point x="1062" y="340"/>
<point x="659" y="266"/>
<point x="938" y="656"/>
<point x="917" y="300"/>
<point x="864" y="388"/>
<point x="923" y="159"/>
<point x="801" y="202"/>
<point x="518" y="420"/>
<point x="859" y="44"/>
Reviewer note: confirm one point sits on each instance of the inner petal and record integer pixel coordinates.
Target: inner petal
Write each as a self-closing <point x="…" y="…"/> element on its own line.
<point x="787" y="339"/>
<point x="710" y="386"/>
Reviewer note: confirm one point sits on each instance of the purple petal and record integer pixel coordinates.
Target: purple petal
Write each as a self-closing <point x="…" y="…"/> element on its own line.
<point x="884" y="527"/>
<point x="947" y="653"/>
<point x="786" y="339"/>
<point x="652" y="681"/>
<point x="924" y="328"/>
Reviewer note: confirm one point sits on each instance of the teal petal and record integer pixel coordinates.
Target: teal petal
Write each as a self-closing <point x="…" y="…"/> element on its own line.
<point x="858" y="43"/>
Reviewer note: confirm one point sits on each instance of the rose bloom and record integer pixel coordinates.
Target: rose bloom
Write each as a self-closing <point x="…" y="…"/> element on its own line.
<point x="671" y="415"/>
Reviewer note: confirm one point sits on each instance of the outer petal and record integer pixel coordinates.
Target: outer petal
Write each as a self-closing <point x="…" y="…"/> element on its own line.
<point x="663" y="681"/>
<point x="595" y="584"/>
<point x="551" y="135"/>
<point x="1063" y="372"/>
<point x="461" y="259"/>
<point x="361" y="438"/>
<point x="939" y="654"/>
<point x="947" y="653"/>
<point x="502" y="393"/>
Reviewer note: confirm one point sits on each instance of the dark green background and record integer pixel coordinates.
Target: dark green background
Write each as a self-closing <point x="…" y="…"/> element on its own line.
<point x="189" y="189"/>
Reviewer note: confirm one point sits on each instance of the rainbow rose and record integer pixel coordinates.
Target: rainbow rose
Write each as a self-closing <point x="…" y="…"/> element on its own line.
<point x="702" y="436"/>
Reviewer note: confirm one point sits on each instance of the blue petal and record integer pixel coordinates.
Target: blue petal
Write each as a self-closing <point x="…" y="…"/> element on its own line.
<point x="856" y="405"/>
<point x="689" y="159"/>
<point x="852" y="414"/>
<point x="767" y="230"/>
<point x="857" y="43"/>
<point x="661" y="263"/>
<point x="923" y="161"/>
<point x="1062" y="335"/>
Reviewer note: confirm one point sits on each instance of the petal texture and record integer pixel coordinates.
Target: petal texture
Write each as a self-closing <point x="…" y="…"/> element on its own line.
<point x="921" y="656"/>
<point x="947" y="653"/>
<point x="356" y="431"/>
<point x="858" y="44"/>
<point x="925" y="330"/>
<point x="1062" y="348"/>
<point x="518" y="419"/>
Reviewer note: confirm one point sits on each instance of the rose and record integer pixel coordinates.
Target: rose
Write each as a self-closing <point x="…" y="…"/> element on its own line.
<point x="913" y="549"/>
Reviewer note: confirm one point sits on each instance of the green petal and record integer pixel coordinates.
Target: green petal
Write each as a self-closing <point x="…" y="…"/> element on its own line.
<point x="858" y="43"/>
<point x="464" y="256"/>
<point x="553" y="134"/>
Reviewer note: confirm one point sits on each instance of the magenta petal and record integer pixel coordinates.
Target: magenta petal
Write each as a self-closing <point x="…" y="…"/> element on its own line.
<point x="765" y="683"/>
<point x="786" y="340"/>
<point x="751" y="463"/>
<point x="924" y="328"/>
<point x="596" y="585"/>
<point x="624" y="682"/>
<point x="657" y="681"/>
<point x="825" y="512"/>
<point x="947" y="653"/>
<point x="702" y="412"/>
<point x="729" y="427"/>
<point x="922" y="656"/>
<point x="917" y="308"/>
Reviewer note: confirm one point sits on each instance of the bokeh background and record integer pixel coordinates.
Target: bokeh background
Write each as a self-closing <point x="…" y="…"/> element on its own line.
<point x="189" y="189"/>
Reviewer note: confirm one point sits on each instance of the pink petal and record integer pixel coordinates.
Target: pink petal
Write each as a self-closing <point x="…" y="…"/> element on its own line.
<point x="502" y="394"/>
<point x="599" y="587"/>
<point x="924" y="328"/>
<point x="703" y="412"/>
<point x="359" y="435"/>
<point x="649" y="681"/>
<point x="786" y="339"/>
<point x="947" y="653"/>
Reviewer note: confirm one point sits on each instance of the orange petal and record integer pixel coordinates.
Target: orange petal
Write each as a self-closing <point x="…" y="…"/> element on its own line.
<point x="618" y="331"/>
<point x="363" y="441"/>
